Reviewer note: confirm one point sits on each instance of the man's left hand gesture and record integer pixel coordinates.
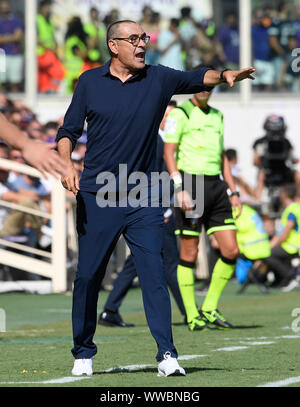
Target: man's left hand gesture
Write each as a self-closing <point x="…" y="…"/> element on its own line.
<point x="237" y="76"/>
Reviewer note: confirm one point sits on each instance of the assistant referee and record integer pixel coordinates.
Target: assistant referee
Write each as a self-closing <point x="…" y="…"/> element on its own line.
<point x="194" y="130"/>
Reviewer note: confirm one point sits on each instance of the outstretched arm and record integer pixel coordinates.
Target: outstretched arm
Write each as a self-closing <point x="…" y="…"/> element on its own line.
<point x="40" y="155"/>
<point x="213" y="78"/>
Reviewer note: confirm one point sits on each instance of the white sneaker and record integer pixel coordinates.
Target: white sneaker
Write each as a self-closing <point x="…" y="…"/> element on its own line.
<point x="169" y="366"/>
<point x="83" y="366"/>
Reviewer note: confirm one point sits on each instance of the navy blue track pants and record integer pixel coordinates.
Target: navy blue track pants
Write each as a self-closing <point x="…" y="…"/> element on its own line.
<point x="98" y="232"/>
<point x="123" y="282"/>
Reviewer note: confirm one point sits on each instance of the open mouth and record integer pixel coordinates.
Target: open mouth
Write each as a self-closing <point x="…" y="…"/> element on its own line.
<point x="140" y="56"/>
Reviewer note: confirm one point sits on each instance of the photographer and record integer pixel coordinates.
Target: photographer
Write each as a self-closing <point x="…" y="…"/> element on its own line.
<point x="273" y="155"/>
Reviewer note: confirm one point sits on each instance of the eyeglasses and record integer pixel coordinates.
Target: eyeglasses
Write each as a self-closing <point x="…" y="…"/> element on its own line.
<point x="135" y="39"/>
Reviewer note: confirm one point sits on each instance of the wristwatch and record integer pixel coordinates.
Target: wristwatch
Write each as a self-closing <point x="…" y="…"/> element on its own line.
<point x="222" y="74"/>
<point x="231" y="194"/>
<point x="177" y="179"/>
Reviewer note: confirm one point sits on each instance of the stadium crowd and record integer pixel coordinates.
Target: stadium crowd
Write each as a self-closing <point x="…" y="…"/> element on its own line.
<point x="181" y="43"/>
<point x="28" y="191"/>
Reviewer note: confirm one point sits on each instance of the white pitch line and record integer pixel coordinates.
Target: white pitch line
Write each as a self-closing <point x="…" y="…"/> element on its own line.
<point x="258" y="343"/>
<point x="189" y="357"/>
<point x="128" y="368"/>
<point x="131" y="368"/>
<point x="281" y="383"/>
<point x="230" y="348"/>
<point x="288" y="337"/>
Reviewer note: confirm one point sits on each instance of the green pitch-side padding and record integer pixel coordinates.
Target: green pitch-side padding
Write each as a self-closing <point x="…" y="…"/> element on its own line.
<point x="221" y="275"/>
<point x="185" y="277"/>
<point x="199" y="137"/>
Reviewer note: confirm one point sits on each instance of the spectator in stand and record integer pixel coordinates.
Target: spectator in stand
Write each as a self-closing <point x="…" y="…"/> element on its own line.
<point x="4" y="153"/>
<point x="111" y="17"/>
<point x="30" y="186"/>
<point x="45" y="28"/>
<point x="15" y="118"/>
<point x="50" y="69"/>
<point x="50" y="131"/>
<point x="169" y="46"/>
<point x="282" y="27"/>
<point x="14" y="155"/>
<point x="297" y="25"/>
<point x="152" y="28"/>
<point x="33" y="188"/>
<point x="156" y="19"/>
<point x="262" y="50"/>
<point x="205" y="49"/>
<point x="96" y="32"/>
<point x="76" y="52"/>
<point x="229" y="39"/>
<point x="187" y="30"/>
<point x="34" y="129"/>
<point x="14" y="222"/>
<point x="26" y="113"/>
<point x="290" y="78"/>
<point x="187" y="24"/>
<point x="11" y="41"/>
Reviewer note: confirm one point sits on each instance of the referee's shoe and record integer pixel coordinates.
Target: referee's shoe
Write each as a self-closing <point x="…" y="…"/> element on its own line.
<point x="215" y="318"/>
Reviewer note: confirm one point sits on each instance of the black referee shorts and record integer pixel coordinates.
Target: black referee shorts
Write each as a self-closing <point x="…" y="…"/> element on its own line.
<point x="217" y="213"/>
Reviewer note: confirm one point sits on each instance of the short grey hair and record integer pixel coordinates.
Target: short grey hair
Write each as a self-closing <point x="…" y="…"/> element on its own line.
<point x="113" y="30"/>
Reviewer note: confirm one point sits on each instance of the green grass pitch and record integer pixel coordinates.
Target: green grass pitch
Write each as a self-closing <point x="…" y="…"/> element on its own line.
<point x="263" y="348"/>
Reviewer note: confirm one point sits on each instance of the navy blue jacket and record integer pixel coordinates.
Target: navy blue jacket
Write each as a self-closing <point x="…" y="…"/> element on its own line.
<point x="123" y="118"/>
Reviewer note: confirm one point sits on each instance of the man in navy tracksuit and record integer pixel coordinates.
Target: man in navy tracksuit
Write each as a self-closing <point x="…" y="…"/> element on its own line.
<point x="123" y="103"/>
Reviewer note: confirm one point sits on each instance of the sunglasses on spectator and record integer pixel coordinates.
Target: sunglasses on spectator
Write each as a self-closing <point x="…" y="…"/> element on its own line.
<point x="135" y="39"/>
